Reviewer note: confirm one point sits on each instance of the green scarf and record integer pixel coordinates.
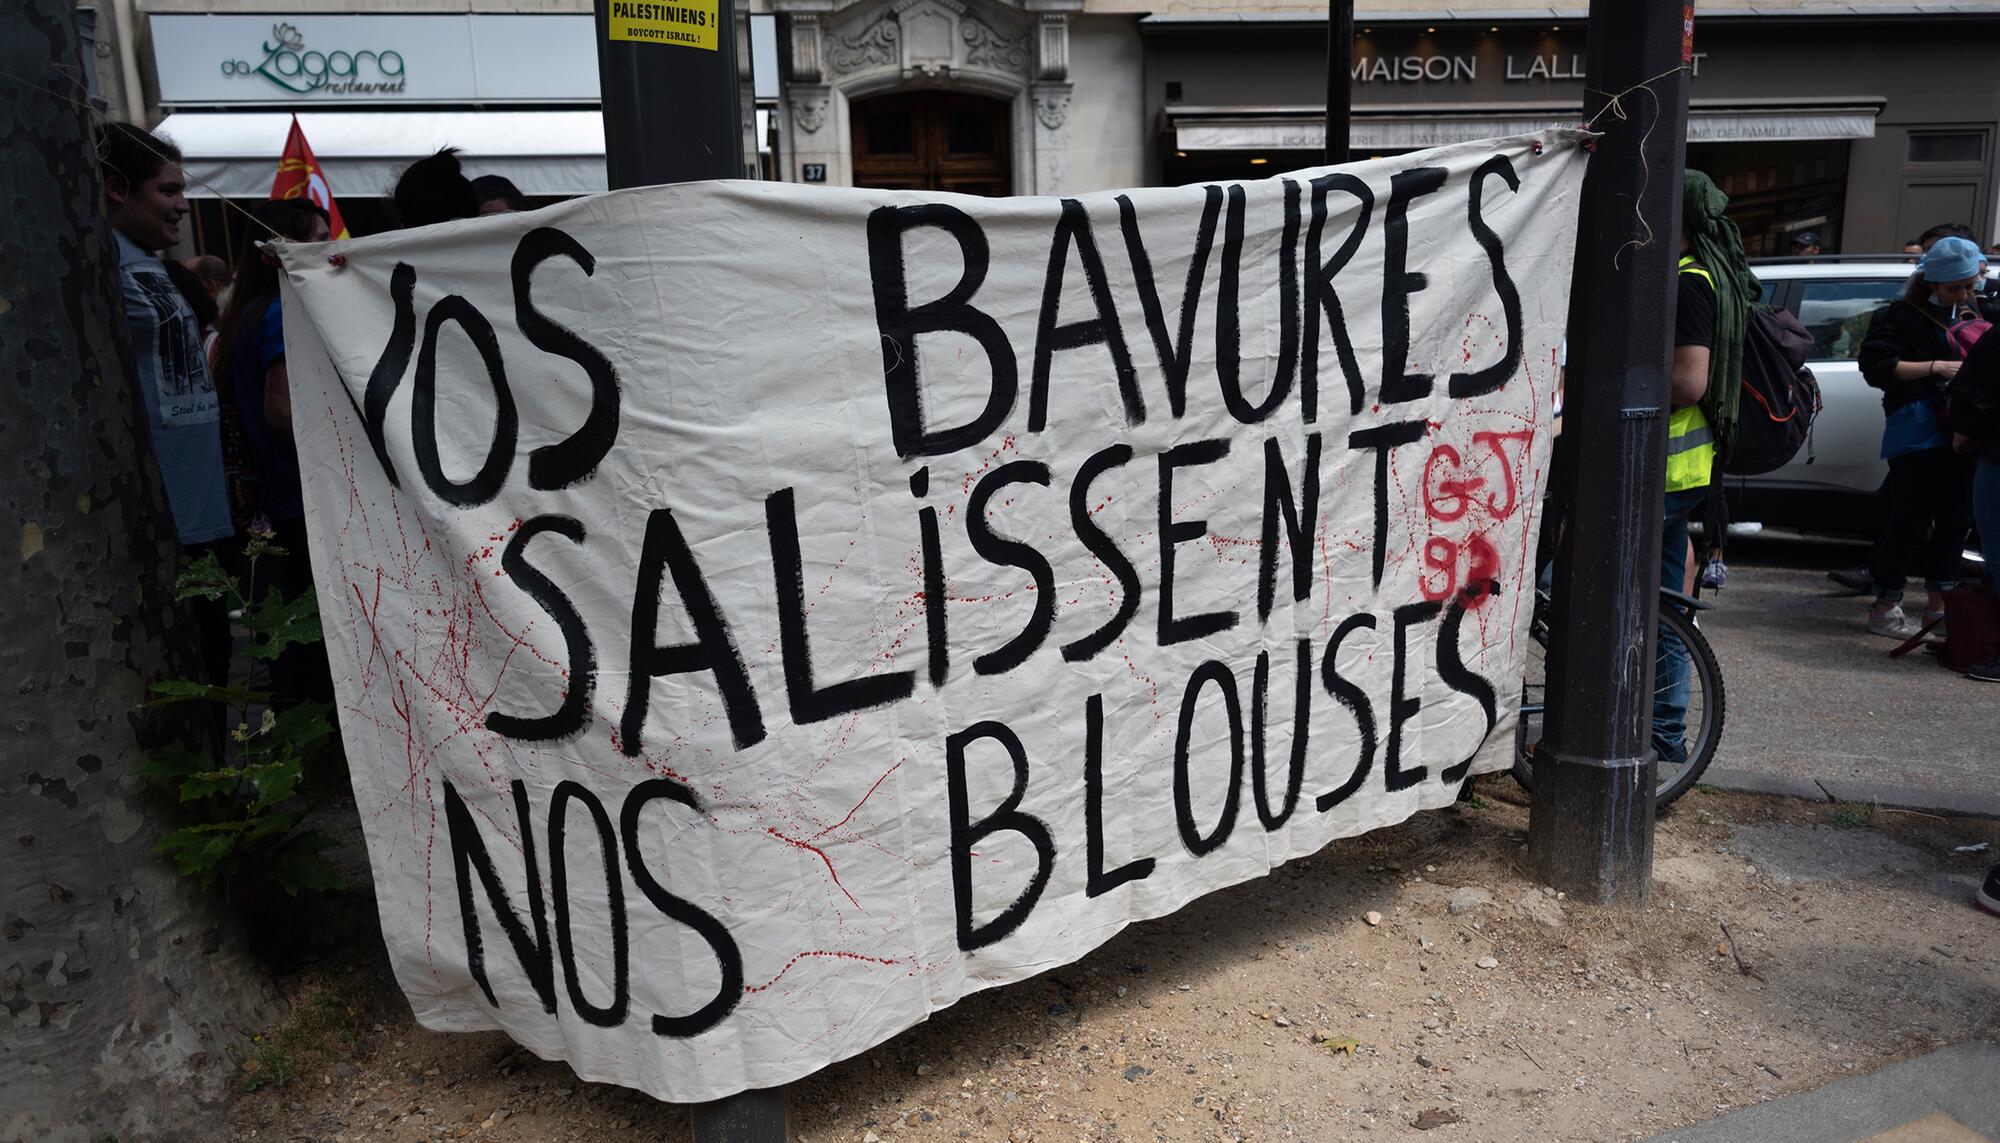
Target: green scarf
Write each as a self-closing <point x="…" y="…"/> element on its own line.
<point x="1716" y="244"/>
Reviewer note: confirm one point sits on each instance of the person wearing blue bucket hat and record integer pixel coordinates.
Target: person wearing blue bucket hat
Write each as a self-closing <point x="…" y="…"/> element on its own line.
<point x="1913" y="349"/>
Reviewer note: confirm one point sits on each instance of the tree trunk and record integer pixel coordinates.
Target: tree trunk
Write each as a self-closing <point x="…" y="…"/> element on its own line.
<point x="125" y="988"/>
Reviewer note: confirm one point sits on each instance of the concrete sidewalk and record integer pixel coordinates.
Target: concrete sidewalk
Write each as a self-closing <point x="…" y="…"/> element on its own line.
<point x="1818" y="710"/>
<point x="1949" y="1096"/>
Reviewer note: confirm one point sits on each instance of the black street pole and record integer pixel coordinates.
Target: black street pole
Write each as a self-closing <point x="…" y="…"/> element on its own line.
<point x="673" y="113"/>
<point x="1590" y="830"/>
<point x="672" y="110"/>
<point x="1339" y="81"/>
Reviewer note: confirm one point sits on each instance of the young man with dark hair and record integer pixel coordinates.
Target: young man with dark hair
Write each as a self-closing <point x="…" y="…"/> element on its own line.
<point x="145" y="200"/>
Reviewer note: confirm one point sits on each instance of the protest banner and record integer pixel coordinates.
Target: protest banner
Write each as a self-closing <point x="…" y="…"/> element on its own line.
<point x="763" y="615"/>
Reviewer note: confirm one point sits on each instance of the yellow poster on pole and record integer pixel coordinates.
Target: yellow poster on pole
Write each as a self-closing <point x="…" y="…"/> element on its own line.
<point x="687" y="23"/>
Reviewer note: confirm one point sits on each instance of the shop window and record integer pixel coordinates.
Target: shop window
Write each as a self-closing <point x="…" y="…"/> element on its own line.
<point x="1836" y="312"/>
<point x="1947" y="146"/>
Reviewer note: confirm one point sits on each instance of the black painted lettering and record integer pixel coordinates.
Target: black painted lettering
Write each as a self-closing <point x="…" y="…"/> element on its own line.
<point x="900" y="323"/>
<point x="387" y="375"/>
<point x="998" y="549"/>
<point x="1196" y="842"/>
<point x="1007" y="818"/>
<point x="1101" y="328"/>
<point x="1356" y="700"/>
<point x="568" y="718"/>
<point x="936" y="620"/>
<point x="1229" y="311"/>
<point x="1099" y="882"/>
<point x="1399" y="282"/>
<point x="811" y="702"/>
<point x="1300" y="519"/>
<point x="665" y="551"/>
<point x="1301" y="724"/>
<point x="1105" y="549"/>
<point x="1173" y="351"/>
<point x="1452" y="670"/>
<point x="728" y="957"/>
<point x="485" y="484"/>
<point x="613" y="1014"/>
<point x="1322" y="301"/>
<point x="1384" y="439"/>
<point x="1395" y="776"/>
<point x="1490" y="378"/>
<point x="575" y="459"/>
<point x="468" y="856"/>
<point x="1180" y="629"/>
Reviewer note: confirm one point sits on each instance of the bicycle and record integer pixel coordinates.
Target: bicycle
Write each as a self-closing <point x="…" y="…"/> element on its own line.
<point x="1702" y="728"/>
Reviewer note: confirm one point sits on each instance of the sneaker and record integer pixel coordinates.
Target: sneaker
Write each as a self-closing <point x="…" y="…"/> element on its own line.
<point x="1715" y="575"/>
<point x="1893" y="623"/>
<point x="1988" y="897"/>
<point x="1856" y="580"/>
<point x="1985" y="672"/>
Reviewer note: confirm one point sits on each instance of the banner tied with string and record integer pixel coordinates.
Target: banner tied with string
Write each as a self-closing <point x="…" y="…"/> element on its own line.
<point x="763" y="615"/>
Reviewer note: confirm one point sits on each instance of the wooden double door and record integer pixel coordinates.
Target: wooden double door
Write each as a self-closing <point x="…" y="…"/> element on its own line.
<point x="931" y="140"/>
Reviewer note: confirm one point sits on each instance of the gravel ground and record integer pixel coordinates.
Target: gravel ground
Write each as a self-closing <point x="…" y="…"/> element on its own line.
<point x="1409" y="984"/>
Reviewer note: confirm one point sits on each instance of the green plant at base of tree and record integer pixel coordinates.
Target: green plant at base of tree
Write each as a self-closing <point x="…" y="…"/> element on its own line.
<point x="324" y="1024"/>
<point x="250" y="808"/>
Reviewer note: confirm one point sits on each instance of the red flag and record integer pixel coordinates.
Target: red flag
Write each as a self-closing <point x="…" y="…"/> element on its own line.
<point x="299" y="176"/>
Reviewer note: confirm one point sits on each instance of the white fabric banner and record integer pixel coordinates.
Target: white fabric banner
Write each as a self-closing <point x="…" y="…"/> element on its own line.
<point x="762" y="615"/>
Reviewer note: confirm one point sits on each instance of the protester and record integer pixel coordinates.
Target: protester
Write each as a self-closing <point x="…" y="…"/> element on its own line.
<point x="1913" y="246"/>
<point x="1975" y="425"/>
<point x="145" y="202"/>
<point x="498" y="195"/>
<point x="238" y="472"/>
<point x="1929" y="238"/>
<point x="214" y="275"/>
<point x="433" y="190"/>
<point x="1975" y="432"/>
<point x="1714" y="289"/>
<point x="1909" y="355"/>
<point x="1805" y="244"/>
<point x="251" y="362"/>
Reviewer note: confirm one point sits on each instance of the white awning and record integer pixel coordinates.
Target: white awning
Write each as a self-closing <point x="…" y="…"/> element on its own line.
<point x="235" y="154"/>
<point x="1304" y="129"/>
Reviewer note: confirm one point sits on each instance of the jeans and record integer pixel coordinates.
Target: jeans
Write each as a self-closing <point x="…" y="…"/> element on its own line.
<point x="1673" y="671"/>
<point x="1930" y="511"/>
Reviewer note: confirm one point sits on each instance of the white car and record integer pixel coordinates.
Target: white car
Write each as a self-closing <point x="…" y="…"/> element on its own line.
<point x="1832" y="484"/>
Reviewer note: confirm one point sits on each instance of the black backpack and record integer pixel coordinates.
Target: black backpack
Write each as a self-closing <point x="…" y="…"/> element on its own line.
<point x="1780" y="398"/>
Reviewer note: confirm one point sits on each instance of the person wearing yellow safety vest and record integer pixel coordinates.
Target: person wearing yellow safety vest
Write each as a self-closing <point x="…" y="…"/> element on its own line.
<point x="1714" y="291"/>
<point x="1690" y="463"/>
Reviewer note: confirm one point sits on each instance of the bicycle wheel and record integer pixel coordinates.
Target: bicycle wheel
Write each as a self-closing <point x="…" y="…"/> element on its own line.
<point x="1706" y="707"/>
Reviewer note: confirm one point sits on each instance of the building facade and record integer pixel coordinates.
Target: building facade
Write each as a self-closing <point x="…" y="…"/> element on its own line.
<point x="1862" y="128"/>
<point x="1863" y="125"/>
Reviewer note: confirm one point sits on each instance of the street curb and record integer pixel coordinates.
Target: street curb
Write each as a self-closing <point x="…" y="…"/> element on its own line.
<point x="1751" y="782"/>
<point x="1956" y="1081"/>
<point x="1959" y="803"/>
